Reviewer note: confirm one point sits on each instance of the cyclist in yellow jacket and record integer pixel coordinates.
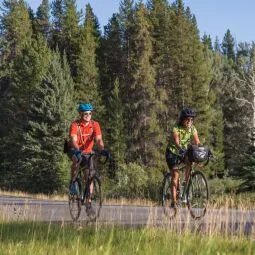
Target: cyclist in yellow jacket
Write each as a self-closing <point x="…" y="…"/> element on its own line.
<point x="183" y="134"/>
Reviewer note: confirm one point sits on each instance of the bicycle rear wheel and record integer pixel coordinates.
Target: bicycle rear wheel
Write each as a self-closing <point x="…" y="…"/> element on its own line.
<point x="96" y="199"/>
<point x="167" y="197"/>
<point x="197" y="195"/>
<point x="74" y="201"/>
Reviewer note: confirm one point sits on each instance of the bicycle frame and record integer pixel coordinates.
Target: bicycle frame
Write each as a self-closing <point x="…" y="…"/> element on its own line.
<point x="182" y="167"/>
<point x="85" y="195"/>
<point x="195" y="193"/>
<point x="86" y="177"/>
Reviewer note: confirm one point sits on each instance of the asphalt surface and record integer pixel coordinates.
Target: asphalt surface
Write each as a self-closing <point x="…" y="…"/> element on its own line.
<point x="226" y="221"/>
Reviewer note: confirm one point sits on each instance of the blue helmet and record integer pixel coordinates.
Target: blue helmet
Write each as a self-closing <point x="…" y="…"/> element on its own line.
<point x="85" y="107"/>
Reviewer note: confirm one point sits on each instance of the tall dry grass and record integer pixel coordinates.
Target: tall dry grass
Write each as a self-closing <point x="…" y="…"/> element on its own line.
<point x="39" y="238"/>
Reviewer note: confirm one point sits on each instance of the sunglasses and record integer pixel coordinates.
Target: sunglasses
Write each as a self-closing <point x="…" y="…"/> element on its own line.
<point x="86" y="113"/>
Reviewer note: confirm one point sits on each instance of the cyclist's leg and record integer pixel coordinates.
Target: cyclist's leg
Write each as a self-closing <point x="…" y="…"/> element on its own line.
<point x="172" y="162"/>
<point x="75" y="164"/>
<point x="174" y="184"/>
<point x="74" y="169"/>
<point x="85" y="164"/>
<point x="88" y="174"/>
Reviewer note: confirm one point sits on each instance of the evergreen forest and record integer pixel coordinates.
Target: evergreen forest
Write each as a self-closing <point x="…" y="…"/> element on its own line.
<point x="138" y="71"/>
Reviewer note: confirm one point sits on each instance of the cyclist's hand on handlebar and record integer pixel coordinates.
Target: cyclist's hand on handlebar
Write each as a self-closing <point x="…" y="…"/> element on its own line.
<point x="105" y="153"/>
<point x="78" y="154"/>
<point x="104" y="156"/>
<point x="182" y="152"/>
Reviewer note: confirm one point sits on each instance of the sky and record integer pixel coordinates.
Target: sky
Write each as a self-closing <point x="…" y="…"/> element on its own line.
<point x="214" y="17"/>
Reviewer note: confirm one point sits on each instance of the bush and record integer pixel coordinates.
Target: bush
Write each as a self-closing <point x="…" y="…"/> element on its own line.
<point x="223" y="186"/>
<point x="131" y="181"/>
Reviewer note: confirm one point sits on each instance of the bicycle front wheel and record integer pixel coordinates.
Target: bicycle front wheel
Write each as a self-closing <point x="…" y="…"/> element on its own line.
<point x="96" y="199"/>
<point x="169" y="211"/>
<point x="197" y="195"/>
<point x="74" y="201"/>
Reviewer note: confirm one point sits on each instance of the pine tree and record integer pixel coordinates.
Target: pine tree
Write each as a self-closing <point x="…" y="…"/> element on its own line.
<point x="87" y="79"/>
<point x="115" y="125"/>
<point x="217" y="45"/>
<point x="42" y="25"/>
<point x="142" y="120"/>
<point x="178" y="88"/>
<point x="110" y="66"/>
<point x="160" y="20"/>
<point x="200" y="77"/>
<point x="228" y="45"/>
<point x="206" y="39"/>
<point x="16" y="33"/>
<point x="27" y="71"/>
<point x="110" y="59"/>
<point x="42" y="160"/>
<point x="15" y="28"/>
<point x="57" y="12"/>
<point x="71" y="33"/>
<point x="231" y="111"/>
<point x="245" y="171"/>
<point x="239" y="106"/>
<point x="216" y="128"/>
<point x="90" y="17"/>
<point x="127" y="22"/>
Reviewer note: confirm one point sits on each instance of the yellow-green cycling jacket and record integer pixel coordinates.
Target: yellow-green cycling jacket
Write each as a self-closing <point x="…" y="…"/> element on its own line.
<point x="185" y="136"/>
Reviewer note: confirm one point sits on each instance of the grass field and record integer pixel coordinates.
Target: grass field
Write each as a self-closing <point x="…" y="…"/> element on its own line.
<point x="48" y="238"/>
<point x="41" y="238"/>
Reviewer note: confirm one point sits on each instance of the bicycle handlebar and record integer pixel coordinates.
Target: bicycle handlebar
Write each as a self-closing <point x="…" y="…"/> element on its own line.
<point x="99" y="154"/>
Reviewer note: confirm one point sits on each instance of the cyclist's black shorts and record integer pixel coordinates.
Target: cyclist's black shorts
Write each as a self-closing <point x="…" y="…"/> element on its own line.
<point x="172" y="160"/>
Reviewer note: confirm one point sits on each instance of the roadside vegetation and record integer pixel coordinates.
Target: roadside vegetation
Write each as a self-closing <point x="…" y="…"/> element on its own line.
<point x="223" y="194"/>
<point x="39" y="238"/>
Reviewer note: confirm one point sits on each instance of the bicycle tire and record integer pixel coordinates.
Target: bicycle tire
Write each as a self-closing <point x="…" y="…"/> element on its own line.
<point x="197" y="195"/>
<point x="96" y="198"/>
<point x="169" y="212"/>
<point x="74" y="201"/>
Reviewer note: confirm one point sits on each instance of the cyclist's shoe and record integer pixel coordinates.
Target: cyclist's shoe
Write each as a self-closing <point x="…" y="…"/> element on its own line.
<point x="90" y="211"/>
<point x="174" y="205"/>
<point x="73" y="189"/>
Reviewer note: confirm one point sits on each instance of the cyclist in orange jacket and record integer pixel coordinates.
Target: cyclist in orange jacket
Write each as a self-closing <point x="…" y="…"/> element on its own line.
<point x="83" y="132"/>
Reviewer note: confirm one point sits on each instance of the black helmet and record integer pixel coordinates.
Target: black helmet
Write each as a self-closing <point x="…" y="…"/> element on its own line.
<point x="187" y="113"/>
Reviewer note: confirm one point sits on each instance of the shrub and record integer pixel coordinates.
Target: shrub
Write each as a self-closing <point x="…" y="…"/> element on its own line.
<point x="131" y="181"/>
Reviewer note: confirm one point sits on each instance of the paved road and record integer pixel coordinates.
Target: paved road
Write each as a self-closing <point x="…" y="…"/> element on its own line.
<point x="222" y="220"/>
